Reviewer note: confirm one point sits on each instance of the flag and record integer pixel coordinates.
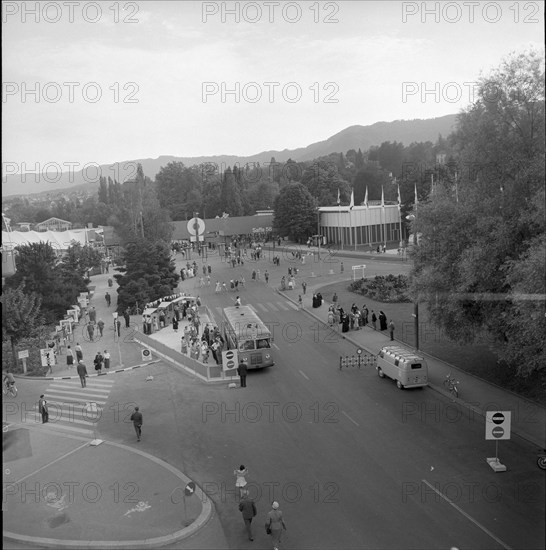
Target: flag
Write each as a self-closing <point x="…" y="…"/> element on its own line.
<point x="352" y="199"/>
<point x="399" y="200"/>
<point x="338" y="197"/>
<point x="366" y="198"/>
<point x="416" y="200"/>
<point x="382" y="197"/>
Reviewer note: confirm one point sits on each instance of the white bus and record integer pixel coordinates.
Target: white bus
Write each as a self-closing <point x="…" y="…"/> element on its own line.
<point x="246" y="332"/>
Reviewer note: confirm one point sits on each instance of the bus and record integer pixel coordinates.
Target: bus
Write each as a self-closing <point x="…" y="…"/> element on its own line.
<point x="246" y="332"/>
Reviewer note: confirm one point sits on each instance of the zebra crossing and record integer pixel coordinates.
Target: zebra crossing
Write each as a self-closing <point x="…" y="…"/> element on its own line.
<point x="72" y="407"/>
<point x="266" y="307"/>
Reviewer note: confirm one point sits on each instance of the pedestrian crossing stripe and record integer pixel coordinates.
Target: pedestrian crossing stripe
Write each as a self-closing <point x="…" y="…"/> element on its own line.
<point x="267" y="307"/>
<point x="272" y="306"/>
<point x="262" y="307"/>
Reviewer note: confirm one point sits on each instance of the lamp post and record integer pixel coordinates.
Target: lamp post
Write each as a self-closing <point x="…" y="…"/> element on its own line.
<point x="411" y="217"/>
<point x="115" y="315"/>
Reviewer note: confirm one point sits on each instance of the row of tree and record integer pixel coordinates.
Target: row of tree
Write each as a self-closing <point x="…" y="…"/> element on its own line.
<point x="43" y="288"/>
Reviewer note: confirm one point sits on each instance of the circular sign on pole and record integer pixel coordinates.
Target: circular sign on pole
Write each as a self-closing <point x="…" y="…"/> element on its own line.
<point x="359" y="351"/>
<point x="498" y="418"/>
<point x="196" y="226"/>
<point x="189" y="490"/>
<point x="497" y="432"/>
<point x="229" y="359"/>
<point x="146" y="354"/>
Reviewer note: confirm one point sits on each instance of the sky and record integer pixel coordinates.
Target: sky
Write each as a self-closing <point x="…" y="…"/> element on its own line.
<point x="105" y="82"/>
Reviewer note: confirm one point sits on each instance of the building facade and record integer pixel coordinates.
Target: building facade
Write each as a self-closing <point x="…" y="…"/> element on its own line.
<point x="360" y="225"/>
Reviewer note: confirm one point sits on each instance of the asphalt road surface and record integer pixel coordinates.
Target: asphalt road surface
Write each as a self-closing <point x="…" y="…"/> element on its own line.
<point x="353" y="461"/>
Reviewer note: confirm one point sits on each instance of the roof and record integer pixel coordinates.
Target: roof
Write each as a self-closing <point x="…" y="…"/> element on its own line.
<point x="59" y="240"/>
<point x="245" y="320"/>
<point x="54" y="220"/>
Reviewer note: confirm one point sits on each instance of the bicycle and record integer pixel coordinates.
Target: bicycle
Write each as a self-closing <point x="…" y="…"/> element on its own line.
<point x="451" y="385"/>
<point x="9" y="388"/>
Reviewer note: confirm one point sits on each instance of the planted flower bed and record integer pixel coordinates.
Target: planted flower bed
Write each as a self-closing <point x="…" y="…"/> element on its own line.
<point x="390" y="289"/>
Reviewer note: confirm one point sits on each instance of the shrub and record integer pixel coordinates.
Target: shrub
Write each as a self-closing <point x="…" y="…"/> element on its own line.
<point x="388" y="289"/>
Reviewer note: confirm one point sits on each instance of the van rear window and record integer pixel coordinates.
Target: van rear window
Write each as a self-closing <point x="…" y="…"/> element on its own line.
<point x="416" y="366"/>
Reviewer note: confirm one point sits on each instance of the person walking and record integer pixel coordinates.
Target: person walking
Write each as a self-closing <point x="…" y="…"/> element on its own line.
<point x="304" y="286"/>
<point x="382" y="321"/>
<point x="300" y="302"/>
<point x="100" y="325"/>
<point x="108" y="299"/>
<point x="69" y="357"/>
<point x="391" y="329"/>
<point x="127" y="318"/>
<point x="43" y="410"/>
<point x="92" y="314"/>
<point x="91" y="331"/>
<point x="136" y="418"/>
<point x="237" y="301"/>
<point x="118" y="325"/>
<point x="374" y="320"/>
<point x="82" y="373"/>
<point x="175" y="324"/>
<point x="240" y="482"/>
<point x="79" y="352"/>
<point x="248" y="508"/>
<point x="106" y="359"/>
<point x="275" y="524"/>
<point x="266" y="275"/>
<point x="242" y="370"/>
<point x="342" y="267"/>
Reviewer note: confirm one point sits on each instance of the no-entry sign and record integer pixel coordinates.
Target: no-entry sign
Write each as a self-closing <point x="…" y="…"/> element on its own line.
<point x="229" y="359"/>
<point x="497" y="425"/>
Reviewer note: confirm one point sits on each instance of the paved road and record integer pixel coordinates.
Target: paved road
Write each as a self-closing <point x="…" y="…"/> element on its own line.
<point x="341" y="448"/>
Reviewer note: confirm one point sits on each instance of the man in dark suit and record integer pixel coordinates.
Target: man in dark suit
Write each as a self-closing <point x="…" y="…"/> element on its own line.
<point x="242" y="369"/>
<point x="82" y="372"/>
<point x="248" y="509"/>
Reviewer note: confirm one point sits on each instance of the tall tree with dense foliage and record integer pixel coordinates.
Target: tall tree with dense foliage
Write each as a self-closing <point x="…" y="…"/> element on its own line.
<point x="482" y="237"/>
<point x="21" y="316"/>
<point x="295" y="212"/>
<point x="149" y="274"/>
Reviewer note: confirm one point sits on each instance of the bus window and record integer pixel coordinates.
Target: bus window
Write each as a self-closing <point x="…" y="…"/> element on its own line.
<point x="263" y="343"/>
<point x="246" y="345"/>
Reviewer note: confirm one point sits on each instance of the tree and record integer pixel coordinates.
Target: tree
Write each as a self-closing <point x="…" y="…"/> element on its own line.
<point x="149" y="274"/>
<point x="41" y="272"/>
<point x="81" y="259"/>
<point x="21" y="316"/>
<point x="230" y="195"/>
<point x="295" y="212"/>
<point x="479" y="243"/>
<point x="322" y="180"/>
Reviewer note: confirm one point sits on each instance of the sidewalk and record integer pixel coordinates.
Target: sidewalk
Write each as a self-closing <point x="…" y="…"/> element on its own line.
<point x="475" y="394"/>
<point x="60" y="490"/>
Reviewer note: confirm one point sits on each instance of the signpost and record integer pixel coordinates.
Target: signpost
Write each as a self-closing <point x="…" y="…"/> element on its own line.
<point x="189" y="490"/>
<point x="355" y="267"/>
<point x="196" y="228"/>
<point x="146" y="354"/>
<point x="497" y="426"/>
<point x="229" y="360"/>
<point x="23" y="355"/>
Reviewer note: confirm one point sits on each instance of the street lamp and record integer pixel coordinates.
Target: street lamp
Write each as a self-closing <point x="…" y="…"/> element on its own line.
<point x="115" y="315"/>
<point x="411" y="217"/>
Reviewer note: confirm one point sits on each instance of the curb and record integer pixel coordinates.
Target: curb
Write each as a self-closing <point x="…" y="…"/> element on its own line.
<point x="434" y="387"/>
<point x="38" y="378"/>
<point x="190" y="530"/>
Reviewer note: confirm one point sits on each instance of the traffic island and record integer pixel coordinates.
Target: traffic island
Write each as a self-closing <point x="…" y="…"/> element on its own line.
<point x="62" y="492"/>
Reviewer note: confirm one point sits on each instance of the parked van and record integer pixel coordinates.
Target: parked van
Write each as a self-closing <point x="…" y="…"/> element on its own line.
<point x="409" y="370"/>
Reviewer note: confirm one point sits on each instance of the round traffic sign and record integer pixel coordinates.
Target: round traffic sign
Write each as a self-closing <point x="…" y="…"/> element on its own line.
<point x="196" y="226"/>
<point x="189" y="490"/>
<point x="359" y="351"/>
<point x="497" y="431"/>
<point x="498" y="418"/>
<point x="146" y="354"/>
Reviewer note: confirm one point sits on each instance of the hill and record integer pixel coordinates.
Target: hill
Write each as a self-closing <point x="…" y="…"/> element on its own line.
<point x="353" y="137"/>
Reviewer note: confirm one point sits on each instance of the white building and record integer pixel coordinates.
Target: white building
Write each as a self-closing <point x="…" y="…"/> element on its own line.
<point x="360" y="225"/>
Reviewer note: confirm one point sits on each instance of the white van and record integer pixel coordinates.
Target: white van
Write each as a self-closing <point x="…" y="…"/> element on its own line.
<point x="409" y="370"/>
